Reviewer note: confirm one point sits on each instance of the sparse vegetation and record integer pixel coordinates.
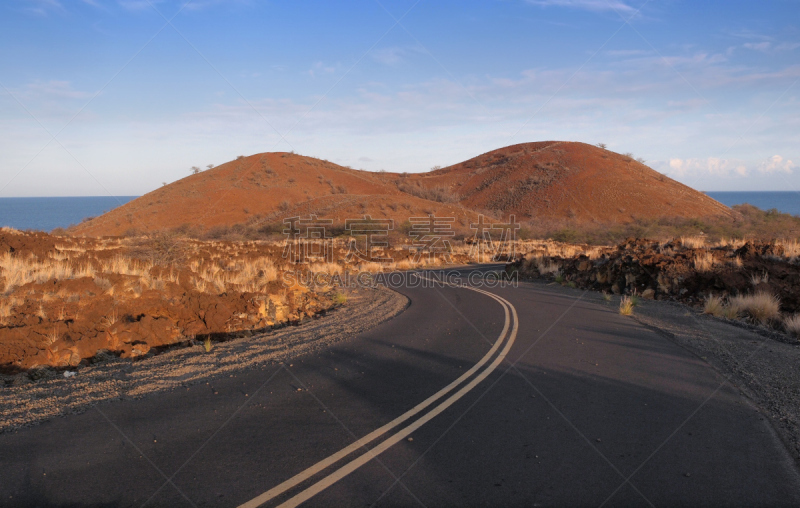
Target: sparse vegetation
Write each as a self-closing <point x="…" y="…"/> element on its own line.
<point x="626" y="306"/>
<point x="792" y="325"/>
<point x="439" y="194"/>
<point x="761" y="307"/>
<point x="713" y="305"/>
<point x="704" y="262"/>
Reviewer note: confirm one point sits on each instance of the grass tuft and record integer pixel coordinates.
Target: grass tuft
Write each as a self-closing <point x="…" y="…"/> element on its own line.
<point x="626" y="306"/>
<point x="792" y="325"/>
<point x="713" y="305"/>
<point x="761" y="307"/>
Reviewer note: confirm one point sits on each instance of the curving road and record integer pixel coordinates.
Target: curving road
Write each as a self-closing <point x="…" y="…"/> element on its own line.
<point x="506" y="397"/>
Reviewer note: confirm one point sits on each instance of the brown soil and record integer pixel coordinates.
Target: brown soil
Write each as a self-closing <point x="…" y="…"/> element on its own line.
<point x="546" y="180"/>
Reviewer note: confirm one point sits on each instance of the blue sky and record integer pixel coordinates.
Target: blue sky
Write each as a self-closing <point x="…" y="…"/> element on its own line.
<point x="118" y="96"/>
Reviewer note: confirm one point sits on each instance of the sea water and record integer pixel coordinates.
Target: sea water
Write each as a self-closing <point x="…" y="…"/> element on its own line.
<point x="783" y="201"/>
<point x="46" y="214"/>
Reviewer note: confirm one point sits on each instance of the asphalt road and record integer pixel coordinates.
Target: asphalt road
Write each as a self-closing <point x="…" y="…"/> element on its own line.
<point x="534" y="398"/>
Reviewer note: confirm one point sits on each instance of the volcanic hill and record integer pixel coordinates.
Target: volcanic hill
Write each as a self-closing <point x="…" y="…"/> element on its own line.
<point x="546" y="180"/>
<point x="556" y="179"/>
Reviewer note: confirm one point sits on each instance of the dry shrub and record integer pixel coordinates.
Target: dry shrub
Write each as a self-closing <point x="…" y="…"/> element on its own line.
<point x="761" y="307"/>
<point x="163" y="248"/>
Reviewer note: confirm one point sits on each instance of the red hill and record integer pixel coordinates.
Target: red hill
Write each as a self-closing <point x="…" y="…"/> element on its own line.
<point x="545" y="181"/>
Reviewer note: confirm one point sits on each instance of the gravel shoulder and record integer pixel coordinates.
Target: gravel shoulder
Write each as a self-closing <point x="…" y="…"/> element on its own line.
<point x="25" y="402"/>
<point x="762" y="364"/>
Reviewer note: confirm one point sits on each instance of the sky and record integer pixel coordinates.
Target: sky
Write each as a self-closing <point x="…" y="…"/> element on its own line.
<point x="117" y="97"/>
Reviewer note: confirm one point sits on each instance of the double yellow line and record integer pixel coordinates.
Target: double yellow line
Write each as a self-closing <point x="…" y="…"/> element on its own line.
<point x="505" y="340"/>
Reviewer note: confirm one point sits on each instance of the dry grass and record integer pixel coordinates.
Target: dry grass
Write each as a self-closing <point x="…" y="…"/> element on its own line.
<point x="372" y="267"/>
<point x="730" y="242"/>
<point x="791" y="248"/>
<point x="546" y="266"/>
<point x="704" y="262"/>
<point x="626" y="305"/>
<point x="406" y="264"/>
<point x="693" y="242"/>
<point x="735" y="262"/>
<point x="109" y="320"/>
<point x="756" y="279"/>
<point x="6" y="309"/>
<point x="125" y="266"/>
<point x="18" y="271"/>
<point x="328" y="268"/>
<point x="52" y="337"/>
<point x="713" y="305"/>
<point x="761" y="307"/>
<point x="730" y="312"/>
<point x="792" y="325"/>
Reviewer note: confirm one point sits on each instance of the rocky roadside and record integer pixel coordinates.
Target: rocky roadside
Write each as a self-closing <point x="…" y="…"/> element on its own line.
<point x="36" y="396"/>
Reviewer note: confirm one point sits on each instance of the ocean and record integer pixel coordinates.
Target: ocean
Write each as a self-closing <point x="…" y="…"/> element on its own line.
<point x="783" y="201"/>
<point x="46" y="214"/>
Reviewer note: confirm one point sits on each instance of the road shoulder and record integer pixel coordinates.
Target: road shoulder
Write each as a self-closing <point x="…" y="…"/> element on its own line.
<point x="763" y="367"/>
<point x="25" y="402"/>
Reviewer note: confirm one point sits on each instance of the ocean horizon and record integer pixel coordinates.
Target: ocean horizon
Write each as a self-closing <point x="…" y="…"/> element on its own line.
<point x="783" y="201"/>
<point x="48" y="213"/>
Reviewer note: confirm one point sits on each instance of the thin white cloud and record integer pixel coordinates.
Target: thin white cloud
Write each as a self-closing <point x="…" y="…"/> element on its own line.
<point x="388" y="56"/>
<point x="758" y="46"/>
<point x="628" y="52"/>
<point x="320" y="68"/>
<point x="52" y="90"/>
<point x="714" y="166"/>
<point x="43" y="7"/>
<point x="589" y="5"/>
<point x="787" y="46"/>
<point x="776" y="164"/>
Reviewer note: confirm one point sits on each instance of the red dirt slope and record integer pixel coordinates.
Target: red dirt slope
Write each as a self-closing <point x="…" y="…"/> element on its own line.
<point x="554" y="179"/>
<point x="271" y="186"/>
